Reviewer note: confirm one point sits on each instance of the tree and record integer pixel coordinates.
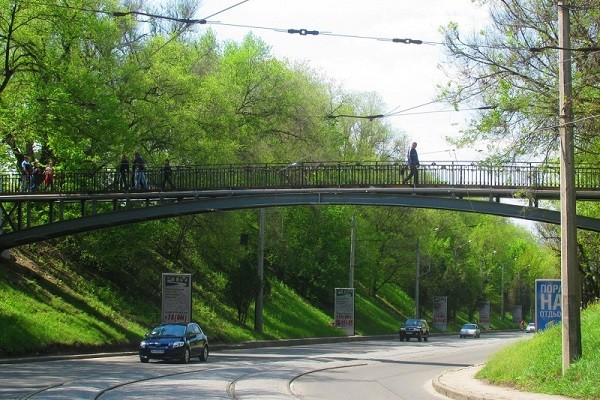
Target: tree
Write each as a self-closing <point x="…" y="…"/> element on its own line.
<point x="242" y="286"/>
<point x="510" y="68"/>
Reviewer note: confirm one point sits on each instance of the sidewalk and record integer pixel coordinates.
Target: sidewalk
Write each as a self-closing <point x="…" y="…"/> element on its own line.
<point x="461" y="384"/>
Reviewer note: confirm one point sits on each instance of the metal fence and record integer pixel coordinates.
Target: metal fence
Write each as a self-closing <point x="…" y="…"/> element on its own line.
<point x="307" y="175"/>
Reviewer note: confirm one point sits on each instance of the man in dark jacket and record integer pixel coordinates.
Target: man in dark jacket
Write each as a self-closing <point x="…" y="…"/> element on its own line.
<point x="139" y="166"/>
<point x="413" y="163"/>
<point x="167" y="174"/>
<point x="124" y="173"/>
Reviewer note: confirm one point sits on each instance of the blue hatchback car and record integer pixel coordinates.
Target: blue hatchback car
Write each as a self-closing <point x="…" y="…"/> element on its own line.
<point x="175" y="342"/>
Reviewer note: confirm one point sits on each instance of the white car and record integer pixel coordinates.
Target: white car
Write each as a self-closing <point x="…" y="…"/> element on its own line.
<point x="470" y="330"/>
<point x="530" y="327"/>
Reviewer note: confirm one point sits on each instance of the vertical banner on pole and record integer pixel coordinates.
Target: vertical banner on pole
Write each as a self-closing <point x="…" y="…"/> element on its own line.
<point x="517" y="314"/>
<point x="176" y="297"/>
<point x="440" y="312"/>
<point x="344" y="310"/>
<point x="548" y="303"/>
<point x="484" y="315"/>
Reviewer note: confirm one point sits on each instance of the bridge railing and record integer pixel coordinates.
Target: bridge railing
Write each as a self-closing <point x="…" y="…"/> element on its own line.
<point x="311" y="175"/>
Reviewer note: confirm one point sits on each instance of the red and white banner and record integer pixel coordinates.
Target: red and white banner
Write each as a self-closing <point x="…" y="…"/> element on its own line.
<point x="344" y="310"/>
<point x="484" y="315"/>
<point x="176" y="298"/>
<point x="440" y="312"/>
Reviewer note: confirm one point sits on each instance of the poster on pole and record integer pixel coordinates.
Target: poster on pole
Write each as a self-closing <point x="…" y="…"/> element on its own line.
<point x="484" y="315"/>
<point x="440" y="312"/>
<point x="176" y="298"/>
<point x="518" y="314"/>
<point x="548" y="303"/>
<point x="344" y="310"/>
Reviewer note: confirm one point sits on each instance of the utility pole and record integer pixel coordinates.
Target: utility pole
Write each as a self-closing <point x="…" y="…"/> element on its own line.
<point x="502" y="294"/>
<point x="417" y="276"/>
<point x="571" y="295"/>
<point x="352" y="251"/>
<point x="258" y="310"/>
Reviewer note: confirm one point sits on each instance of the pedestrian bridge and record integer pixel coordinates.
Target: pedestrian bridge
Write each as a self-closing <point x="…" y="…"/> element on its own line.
<point x="85" y="200"/>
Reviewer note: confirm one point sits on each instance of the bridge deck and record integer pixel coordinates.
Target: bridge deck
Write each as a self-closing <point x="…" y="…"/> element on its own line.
<point x="33" y="212"/>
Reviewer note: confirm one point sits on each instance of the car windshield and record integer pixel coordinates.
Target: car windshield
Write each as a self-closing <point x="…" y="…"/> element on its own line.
<point x="470" y="326"/>
<point x="532" y="324"/>
<point x="168" y="330"/>
<point x="413" y="322"/>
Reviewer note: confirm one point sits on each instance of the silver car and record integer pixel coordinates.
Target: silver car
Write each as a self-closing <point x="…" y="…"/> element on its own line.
<point x="530" y="327"/>
<point x="470" y="330"/>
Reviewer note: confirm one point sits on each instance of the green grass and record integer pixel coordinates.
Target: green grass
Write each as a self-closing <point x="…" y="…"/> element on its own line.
<point x="535" y="364"/>
<point x="37" y="316"/>
<point x="56" y="308"/>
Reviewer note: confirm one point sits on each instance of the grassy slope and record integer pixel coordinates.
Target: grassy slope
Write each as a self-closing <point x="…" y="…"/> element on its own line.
<point x="57" y="309"/>
<point x="535" y="364"/>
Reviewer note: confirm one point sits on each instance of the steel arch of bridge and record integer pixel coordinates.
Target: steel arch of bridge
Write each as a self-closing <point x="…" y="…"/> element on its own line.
<point x="228" y="201"/>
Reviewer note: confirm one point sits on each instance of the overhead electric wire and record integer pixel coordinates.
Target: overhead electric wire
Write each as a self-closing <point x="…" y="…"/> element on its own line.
<point x="226" y="9"/>
<point x="303" y="31"/>
<point x="404" y="113"/>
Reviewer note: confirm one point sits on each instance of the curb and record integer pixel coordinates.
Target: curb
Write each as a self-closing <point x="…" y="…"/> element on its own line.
<point x="447" y="391"/>
<point x="215" y="347"/>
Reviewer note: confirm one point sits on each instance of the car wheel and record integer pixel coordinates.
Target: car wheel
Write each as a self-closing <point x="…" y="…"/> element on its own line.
<point x="186" y="356"/>
<point x="460" y="336"/>
<point x="420" y="337"/>
<point x="204" y="354"/>
<point x="407" y="339"/>
<point x="401" y="339"/>
<point x="426" y="337"/>
<point x="144" y="359"/>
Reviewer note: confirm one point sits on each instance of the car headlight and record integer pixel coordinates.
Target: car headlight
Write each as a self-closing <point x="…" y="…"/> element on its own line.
<point x="143" y="345"/>
<point x="177" y="344"/>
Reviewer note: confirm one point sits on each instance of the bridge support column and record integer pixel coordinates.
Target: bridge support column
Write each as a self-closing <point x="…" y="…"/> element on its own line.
<point x="28" y="217"/>
<point x="51" y="211"/>
<point x="5" y="254"/>
<point x="258" y="309"/>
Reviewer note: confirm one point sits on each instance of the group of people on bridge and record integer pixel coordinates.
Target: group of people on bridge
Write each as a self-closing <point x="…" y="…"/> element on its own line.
<point x="34" y="175"/>
<point x="139" y="181"/>
<point x="37" y="177"/>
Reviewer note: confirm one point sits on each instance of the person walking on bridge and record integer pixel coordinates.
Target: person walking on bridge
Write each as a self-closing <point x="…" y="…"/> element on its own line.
<point x="139" y="166"/>
<point x="124" y="173"/>
<point x="167" y="174"/>
<point x="413" y="162"/>
<point x="27" y="174"/>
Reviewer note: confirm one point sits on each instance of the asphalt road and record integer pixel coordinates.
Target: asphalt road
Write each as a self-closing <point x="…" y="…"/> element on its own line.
<point x="382" y="370"/>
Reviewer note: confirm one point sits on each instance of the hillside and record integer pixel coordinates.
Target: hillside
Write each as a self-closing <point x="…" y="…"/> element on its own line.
<point x="535" y="364"/>
<point x="48" y="305"/>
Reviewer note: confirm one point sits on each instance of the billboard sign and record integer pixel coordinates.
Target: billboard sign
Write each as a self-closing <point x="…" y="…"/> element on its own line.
<point x="176" y="298"/>
<point x="344" y="310"/>
<point x="517" y="314"/>
<point x="484" y="315"/>
<point x="548" y="307"/>
<point x="440" y="312"/>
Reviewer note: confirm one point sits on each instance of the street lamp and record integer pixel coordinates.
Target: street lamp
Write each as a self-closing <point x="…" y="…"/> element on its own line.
<point x="417" y="275"/>
<point x="502" y="294"/>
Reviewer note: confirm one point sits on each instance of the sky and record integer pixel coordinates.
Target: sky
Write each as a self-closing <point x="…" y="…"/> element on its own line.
<point x="404" y="75"/>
